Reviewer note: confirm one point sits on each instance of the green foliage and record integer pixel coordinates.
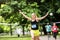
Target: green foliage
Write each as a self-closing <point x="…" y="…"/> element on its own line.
<point x="1" y="30"/>
<point x="4" y="28"/>
<point x="12" y="38"/>
<point x="10" y="12"/>
<point x="58" y="11"/>
<point x="13" y="3"/>
<point x="22" y="4"/>
<point x="42" y="1"/>
<point x="1" y="19"/>
<point x="6" y="9"/>
<point x="12" y="7"/>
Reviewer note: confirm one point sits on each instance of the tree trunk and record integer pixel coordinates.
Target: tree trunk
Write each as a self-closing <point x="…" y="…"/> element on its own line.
<point x="10" y="30"/>
<point x="23" y="29"/>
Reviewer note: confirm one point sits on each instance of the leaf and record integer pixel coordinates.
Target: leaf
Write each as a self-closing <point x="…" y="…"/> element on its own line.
<point x="58" y="11"/>
<point x="42" y="1"/>
<point x="49" y="10"/>
<point x="14" y="2"/>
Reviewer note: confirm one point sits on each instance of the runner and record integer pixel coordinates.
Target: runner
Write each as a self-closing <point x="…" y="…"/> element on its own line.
<point x="54" y="30"/>
<point x="34" y="27"/>
<point x="48" y="29"/>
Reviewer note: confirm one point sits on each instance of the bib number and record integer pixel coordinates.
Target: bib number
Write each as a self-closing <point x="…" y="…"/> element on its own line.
<point x="55" y="28"/>
<point x="34" y="26"/>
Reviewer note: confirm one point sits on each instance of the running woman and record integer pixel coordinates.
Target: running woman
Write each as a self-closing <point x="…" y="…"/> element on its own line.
<point x="34" y="27"/>
<point x="54" y="30"/>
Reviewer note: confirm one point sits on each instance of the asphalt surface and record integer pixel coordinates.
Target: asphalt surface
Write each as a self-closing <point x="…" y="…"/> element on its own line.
<point x="46" y="38"/>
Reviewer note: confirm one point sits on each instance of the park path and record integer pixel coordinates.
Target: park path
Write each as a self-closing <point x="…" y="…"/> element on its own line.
<point x="46" y="38"/>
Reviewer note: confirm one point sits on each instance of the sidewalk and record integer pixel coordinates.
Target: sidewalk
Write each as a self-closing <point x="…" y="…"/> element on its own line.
<point x="46" y="38"/>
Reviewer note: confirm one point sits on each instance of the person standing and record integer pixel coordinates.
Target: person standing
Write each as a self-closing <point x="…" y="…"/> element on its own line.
<point x="35" y="34"/>
<point x="55" y="30"/>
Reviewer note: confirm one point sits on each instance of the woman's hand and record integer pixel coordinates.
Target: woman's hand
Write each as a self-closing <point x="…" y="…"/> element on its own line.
<point x="47" y="13"/>
<point x="20" y="12"/>
<point x="24" y="15"/>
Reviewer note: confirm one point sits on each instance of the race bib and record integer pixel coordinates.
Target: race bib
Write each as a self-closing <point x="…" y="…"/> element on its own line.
<point x="55" y="28"/>
<point x="34" y="26"/>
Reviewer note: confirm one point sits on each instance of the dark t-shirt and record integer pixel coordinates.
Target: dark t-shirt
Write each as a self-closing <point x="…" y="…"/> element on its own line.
<point x="34" y="25"/>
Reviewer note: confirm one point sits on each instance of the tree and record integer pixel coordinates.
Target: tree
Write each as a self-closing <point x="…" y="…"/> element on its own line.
<point x="11" y="14"/>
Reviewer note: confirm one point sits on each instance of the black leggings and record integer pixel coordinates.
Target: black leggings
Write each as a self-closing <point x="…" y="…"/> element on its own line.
<point x="55" y="35"/>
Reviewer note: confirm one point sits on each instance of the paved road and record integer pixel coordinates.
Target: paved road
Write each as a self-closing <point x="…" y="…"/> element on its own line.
<point x="46" y="38"/>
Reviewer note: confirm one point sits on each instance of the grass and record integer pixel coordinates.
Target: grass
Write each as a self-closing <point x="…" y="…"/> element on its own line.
<point x="14" y="38"/>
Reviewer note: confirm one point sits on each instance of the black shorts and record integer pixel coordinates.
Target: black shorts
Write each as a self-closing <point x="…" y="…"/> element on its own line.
<point x="55" y="34"/>
<point x="49" y="33"/>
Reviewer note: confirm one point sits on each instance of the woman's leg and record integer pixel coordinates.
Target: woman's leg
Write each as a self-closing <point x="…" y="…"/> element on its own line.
<point x="54" y="35"/>
<point x="37" y="38"/>
<point x="32" y="36"/>
<point x="37" y="35"/>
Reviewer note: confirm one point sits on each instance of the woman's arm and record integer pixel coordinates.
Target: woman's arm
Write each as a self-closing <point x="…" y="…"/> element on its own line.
<point x="43" y="17"/>
<point x="24" y="15"/>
